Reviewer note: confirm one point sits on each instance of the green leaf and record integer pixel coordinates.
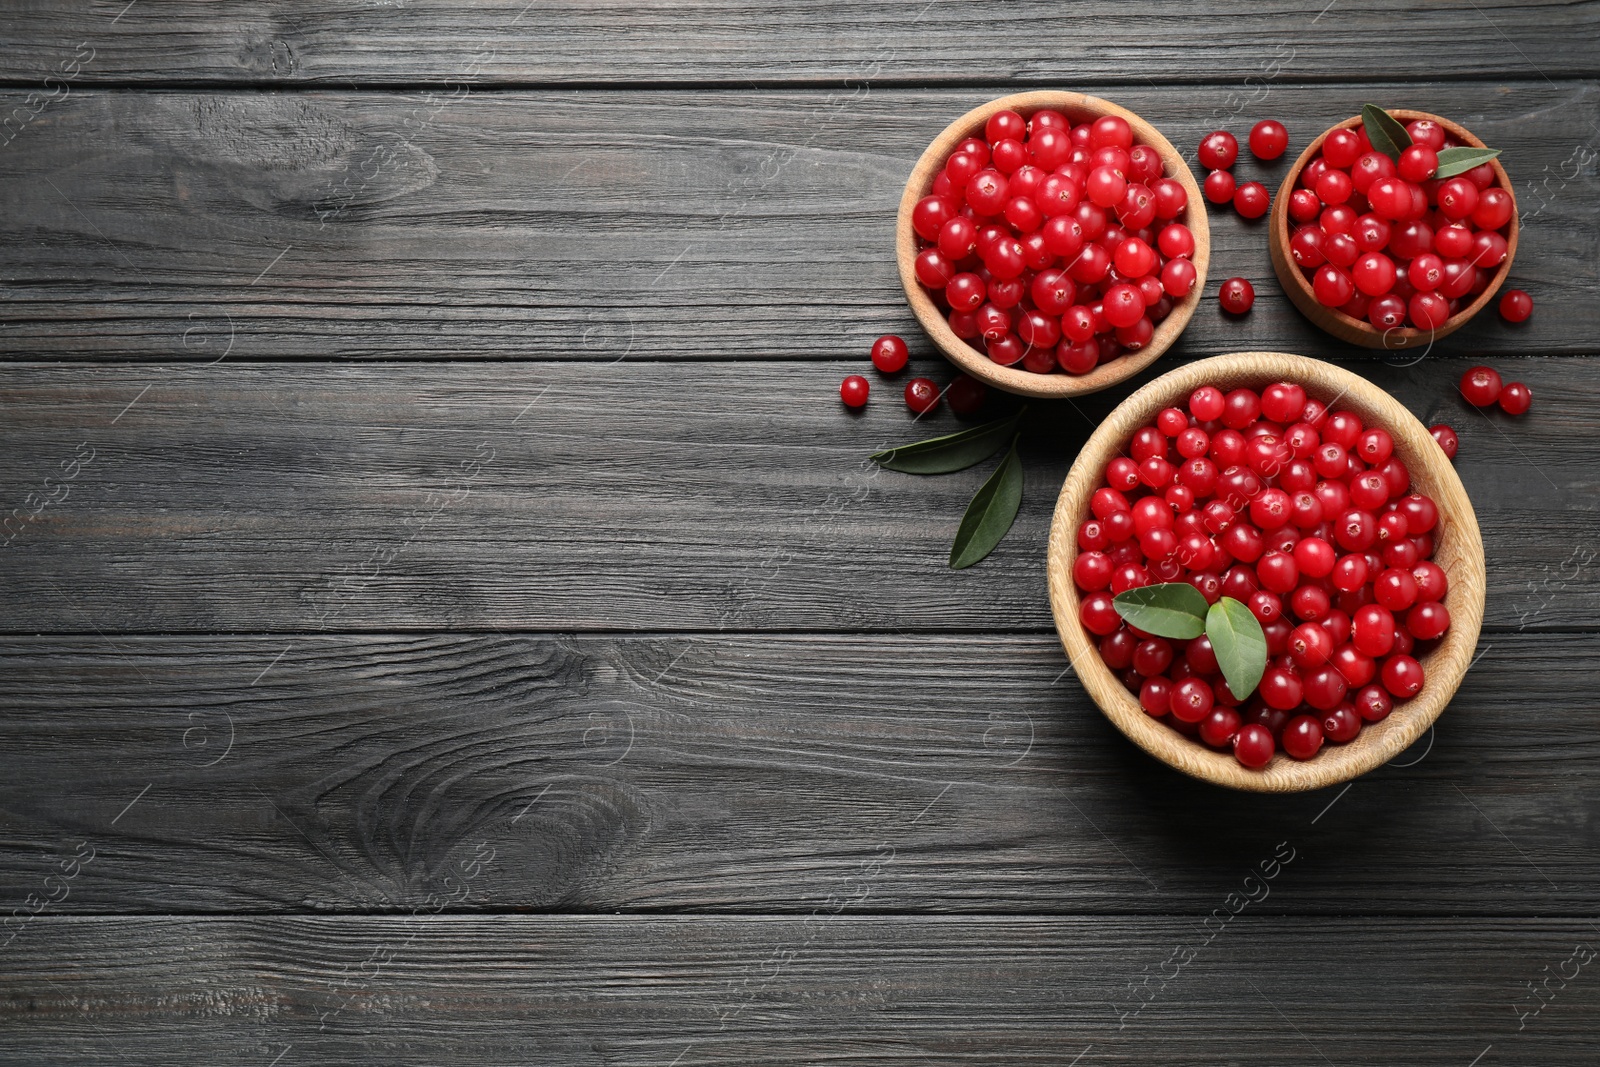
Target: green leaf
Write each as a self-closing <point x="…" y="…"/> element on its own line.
<point x="1172" y="609"/>
<point x="952" y="452"/>
<point x="991" y="513"/>
<point x="1453" y="161"/>
<point x="1240" y="645"/>
<point x="1386" y="135"/>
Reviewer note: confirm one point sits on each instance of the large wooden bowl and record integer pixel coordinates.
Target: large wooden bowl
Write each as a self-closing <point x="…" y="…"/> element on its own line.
<point x="1458" y="549"/>
<point x="1336" y="322"/>
<point x="1078" y="108"/>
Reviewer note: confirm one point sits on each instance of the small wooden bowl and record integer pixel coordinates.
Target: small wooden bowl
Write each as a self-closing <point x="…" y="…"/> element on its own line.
<point x="1079" y="108"/>
<point x="1458" y="549"/>
<point x="1342" y="326"/>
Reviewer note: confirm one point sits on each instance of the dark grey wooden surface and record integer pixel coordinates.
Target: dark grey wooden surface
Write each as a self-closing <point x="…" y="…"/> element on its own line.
<point x="459" y="626"/>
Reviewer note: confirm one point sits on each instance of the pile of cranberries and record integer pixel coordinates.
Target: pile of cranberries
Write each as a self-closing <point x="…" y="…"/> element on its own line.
<point x="1391" y="244"/>
<point x="1058" y="245"/>
<point x="1219" y="150"/>
<point x="1303" y="515"/>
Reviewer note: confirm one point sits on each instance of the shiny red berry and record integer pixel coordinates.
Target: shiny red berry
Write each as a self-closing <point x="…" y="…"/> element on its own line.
<point x="1253" y="745"/>
<point x="889" y="354"/>
<point x="1252" y="200"/>
<point x="922" y="396"/>
<point x="1481" y="386"/>
<point x="1516" y="398"/>
<point x="1448" y="441"/>
<point x="1516" y="306"/>
<point x="1302" y="738"/>
<point x="853" y="391"/>
<point x="1237" y="296"/>
<point x="1268" y="139"/>
<point x="1218" y="150"/>
<point x="1219" y="186"/>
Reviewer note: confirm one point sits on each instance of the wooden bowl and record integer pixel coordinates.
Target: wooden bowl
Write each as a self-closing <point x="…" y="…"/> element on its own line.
<point x="1078" y="108"/>
<point x="1458" y="549"/>
<point x="1336" y="322"/>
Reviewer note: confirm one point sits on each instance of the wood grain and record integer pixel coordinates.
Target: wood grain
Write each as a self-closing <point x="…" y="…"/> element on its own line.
<point x="704" y="496"/>
<point x="738" y="774"/>
<point x="282" y="42"/>
<point x="621" y="225"/>
<point x="881" y="991"/>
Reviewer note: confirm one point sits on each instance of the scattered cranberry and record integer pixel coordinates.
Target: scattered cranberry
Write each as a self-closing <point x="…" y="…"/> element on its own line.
<point x="1252" y="200"/>
<point x="1268" y="139"/>
<point x="966" y="395"/>
<point x="1516" y="306"/>
<point x="1218" y="150"/>
<point x="922" y="396"/>
<point x="1481" y="386"/>
<point x="889" y="354"/>
<point x="1237" y="296"/>
<point x="1055" y="247"/>
<point x="1303" y="514"/>
<point x="853" y="391"/>
<point x="1219" y="187"/>
<point x="1447" y="439"/>
<point x="1516" y="398"/>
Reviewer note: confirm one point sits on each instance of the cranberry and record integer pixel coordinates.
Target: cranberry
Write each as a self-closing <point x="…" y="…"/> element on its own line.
<point x="889" y="354"/>
<point x="1253" y="745"/>
<point x="1448" y="441"/>
<point x="1402" y="676"/>
<point x="1516" y="398"/>
<point x="1155" y="694"/>
<point x="1280" y="689"/>
<point x="1251" y="200"/>
<point x="966" y="395"/>
<point x="1302" y="737"/>
<point x="1219" y="187"/>
<point x="922" y="396"/>
<point x="1342" y="724"/>
<point x="853" y="391"/>
<point x="1268" y="139"/>
<point x="1237" y="296"/>
<point x="1481" y="386"/>
<point x="1219" y="727"/>
<point x="1218" y="151"/>
<point x="1428" y="620"/>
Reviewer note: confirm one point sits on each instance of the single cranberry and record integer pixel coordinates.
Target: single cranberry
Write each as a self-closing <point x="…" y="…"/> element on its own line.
<point x="1237" y="297"/>
<point x="1402" y="676"/>
<point x="1516" y="398"/>
<point x="1418" y="163"/>
<point x="1219" y="727"/>
<point x="1447" y="439"/>
<point x="1206" y="403"/>
<point x="1302" y="737"/>
<point x="1252" y="200"/>
<point x="1373" y="703"/>
<point x="1253" y="745"/>
<point x="1219" y="186"/>
<point x="853" y="391"/>
<point x="1310" y="645"/>
<point x="1342" y="724"/>
<point x="1155" y="694"/>
<point x="1218" y="150"/>
<point x="1428" y="621"/>
<point x="889" y="354"/>
<point x="1324" y="688"/>
<point x="1481" y="386"/>
<point x="1192" y="700"/>
<point x="922" y="396"/>
<point x="1280" y="689"/>
<point x="1268" y="139"/>
<point x="1356" y="666"/>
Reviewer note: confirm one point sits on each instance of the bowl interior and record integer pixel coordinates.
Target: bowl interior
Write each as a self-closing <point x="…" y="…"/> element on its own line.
<point x="1458" y="550"/>
<point x="1357" y="331"/>
<point x="1078" y="107"/>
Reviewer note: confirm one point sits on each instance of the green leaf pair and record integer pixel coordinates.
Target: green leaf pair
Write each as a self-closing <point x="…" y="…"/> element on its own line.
<point x="1391" y="138"/>
<point x="1179" y="611"/>
<point x="994" y="507"/>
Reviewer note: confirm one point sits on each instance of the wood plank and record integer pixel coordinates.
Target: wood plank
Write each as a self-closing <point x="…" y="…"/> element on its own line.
<point x="605" y="226"/>
<point x="837" y="989"/>
<point x="749" y="774"/>
<point x="279" y="42"/>
<point x="708" y="496"/>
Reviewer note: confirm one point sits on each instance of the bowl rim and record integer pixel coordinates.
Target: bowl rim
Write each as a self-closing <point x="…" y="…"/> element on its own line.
<point x="1459" y="550"/>
<point x="978" y="364"/>
<point x="1336" y="322"/>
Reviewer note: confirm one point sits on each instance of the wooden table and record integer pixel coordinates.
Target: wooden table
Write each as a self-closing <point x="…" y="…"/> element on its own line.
<point x="449" y="619"/>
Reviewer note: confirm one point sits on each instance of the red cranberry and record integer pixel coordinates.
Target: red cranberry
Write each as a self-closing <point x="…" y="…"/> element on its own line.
<point x="1516" y="398"/>
<point x="922" y="396"/>
<point x="1268" y="139"/>
<point x="853" y="391"/>
<point x="1516" y="306"/>
<point x="1253" y="745"/>
<point x="1448" y="441"/>
<point x="1302" y="737"/>
<point x="889" y="354"/>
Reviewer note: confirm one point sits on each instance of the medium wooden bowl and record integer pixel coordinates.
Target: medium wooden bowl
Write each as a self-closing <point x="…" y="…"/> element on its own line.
<point x="1079" y="108"/>
<point x="1336" y="322"/>
<point x="1458" y="549"/>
